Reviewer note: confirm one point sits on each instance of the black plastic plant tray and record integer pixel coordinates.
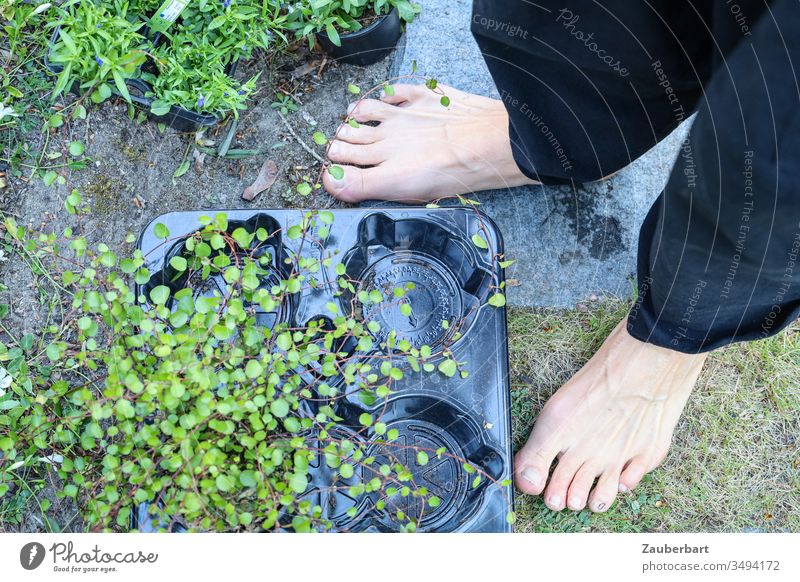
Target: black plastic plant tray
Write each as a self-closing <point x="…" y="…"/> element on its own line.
<point x="470" y="417"/>
<point x="178" y="118"/>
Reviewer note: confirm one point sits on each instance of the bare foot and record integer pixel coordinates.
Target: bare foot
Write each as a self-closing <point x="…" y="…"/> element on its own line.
<point x="422" y="150"/>
<point x="611" y="422"/>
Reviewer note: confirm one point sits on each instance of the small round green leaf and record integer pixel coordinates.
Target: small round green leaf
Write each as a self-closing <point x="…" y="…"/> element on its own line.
<point x="448" y="368"/>
<point x="479" y="241"/>
<point x="76" y="149"/>
<point x="160" y="230"/>
<point x="497" y="300"/>
<point x="159" y="295"/>
<point x="279" y="408"/>
<point x="336" y="171"/>
<point x="178" y="263"/>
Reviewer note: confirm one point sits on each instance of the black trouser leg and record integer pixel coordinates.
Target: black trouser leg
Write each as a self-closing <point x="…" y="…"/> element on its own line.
<point x="590" y="86"/>
<point x="719" y="250"/>
<point x="581" y="80"/>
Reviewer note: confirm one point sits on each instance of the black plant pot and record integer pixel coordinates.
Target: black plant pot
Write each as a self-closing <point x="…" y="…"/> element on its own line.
<point x="368" y="45"/>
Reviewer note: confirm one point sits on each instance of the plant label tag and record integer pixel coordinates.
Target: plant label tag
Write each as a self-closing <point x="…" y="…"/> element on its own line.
<point x="167" y="14"/>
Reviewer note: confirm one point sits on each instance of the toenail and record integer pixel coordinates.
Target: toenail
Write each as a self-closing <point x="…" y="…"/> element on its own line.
<point x="351" y="107"/>
<point x="554" y="500"/>
<point x="600" y="506"/>
<point x="623" y="488"/>
<point x="575" y="503"/>
<point x="532" y="476"/>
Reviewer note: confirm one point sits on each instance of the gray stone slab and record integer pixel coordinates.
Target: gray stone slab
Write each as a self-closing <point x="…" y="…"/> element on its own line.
<point x="572" y="244"/>
<point x="568" y="245"/>
<point x="440" y="42"/>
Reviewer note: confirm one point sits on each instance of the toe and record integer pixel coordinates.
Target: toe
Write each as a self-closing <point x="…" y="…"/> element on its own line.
<point x="370" y="110"/>
<point x="532" y="463"/>
<point x="555" y="496"/>
<point x="363" y="134"/>
<point x="531" y="467"/>
<point x="351" y="186"/>
<point x="359" y="184"/>
<point x="605" y="491"/>
<point x="404" y="93"/>
<point x="361" y="155"/>
<point x="632" y="474"/>
<point x="579" y="489"/>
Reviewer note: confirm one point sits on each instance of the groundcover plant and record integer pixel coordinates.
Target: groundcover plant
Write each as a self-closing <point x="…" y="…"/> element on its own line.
<point x="185" y="400"/>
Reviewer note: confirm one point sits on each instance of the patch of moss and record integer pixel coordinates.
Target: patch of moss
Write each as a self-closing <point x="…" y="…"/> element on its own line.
<point x="127" y="150"/>
<point x="132" y="153"/>
<point x="104" y="194"/>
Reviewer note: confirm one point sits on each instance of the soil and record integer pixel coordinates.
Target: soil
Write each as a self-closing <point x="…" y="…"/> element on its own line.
<point x="369" y="19"/>
<point x="129" y="180"/>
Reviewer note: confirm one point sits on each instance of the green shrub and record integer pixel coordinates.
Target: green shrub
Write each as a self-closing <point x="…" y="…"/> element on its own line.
<point x="101" y="44"/>
<point x="96" y="46"/>
<point x="106" y="42"/>
<point x="194" y="76"/>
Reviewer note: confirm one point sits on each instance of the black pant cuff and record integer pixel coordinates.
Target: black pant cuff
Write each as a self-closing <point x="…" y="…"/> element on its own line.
<point x="646" y="328"/>
<point x="525" y="165"/>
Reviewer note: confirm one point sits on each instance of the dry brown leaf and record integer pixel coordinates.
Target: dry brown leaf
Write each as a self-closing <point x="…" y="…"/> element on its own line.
<point x="305" y="69"/>
<point x="199" y="161"/>
<point x="266" y="178"/>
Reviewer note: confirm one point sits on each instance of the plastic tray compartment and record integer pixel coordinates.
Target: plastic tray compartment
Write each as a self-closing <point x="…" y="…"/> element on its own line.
<point x="470" y="417"/>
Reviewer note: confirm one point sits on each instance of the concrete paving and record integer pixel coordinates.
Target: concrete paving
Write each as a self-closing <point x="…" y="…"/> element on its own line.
<point x="569" y="245"/>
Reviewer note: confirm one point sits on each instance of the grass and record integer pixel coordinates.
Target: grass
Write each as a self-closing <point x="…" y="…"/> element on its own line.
<point x="735" y="460"/>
